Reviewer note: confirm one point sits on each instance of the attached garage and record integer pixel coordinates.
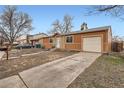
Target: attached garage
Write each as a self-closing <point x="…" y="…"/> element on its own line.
<point x="92" y="44"/>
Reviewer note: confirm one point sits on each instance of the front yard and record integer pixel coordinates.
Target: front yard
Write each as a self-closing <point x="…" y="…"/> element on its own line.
<point x="107" y="71"/>
<point x="17" y="53"/>
<point x="15" y="65"/>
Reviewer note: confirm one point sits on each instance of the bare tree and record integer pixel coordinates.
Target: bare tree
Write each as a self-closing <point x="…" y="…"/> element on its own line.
<point x="117" y="38"/>
<point x="14" y="24"/>
<point x="57" y="27"/>
<point x="67" y="26"/>
<point x="113" y="10"/>
<point x="62" y="27"/>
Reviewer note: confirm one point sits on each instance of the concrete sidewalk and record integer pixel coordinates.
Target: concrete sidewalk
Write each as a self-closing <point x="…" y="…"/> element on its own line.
<point x="1" y="54"/>
<point x="59" y="73"/>
<point x="12" y="82"/>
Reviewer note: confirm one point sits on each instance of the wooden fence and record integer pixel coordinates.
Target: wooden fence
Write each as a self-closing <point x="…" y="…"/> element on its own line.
<point x="117" y="46"/>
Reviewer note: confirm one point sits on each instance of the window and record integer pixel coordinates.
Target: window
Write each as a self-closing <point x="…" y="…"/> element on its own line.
<point x="69" y="39"/>
<point x="51" y="40"/>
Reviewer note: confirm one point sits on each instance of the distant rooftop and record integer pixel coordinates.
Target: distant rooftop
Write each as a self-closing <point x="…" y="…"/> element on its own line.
<point x="39" y="34"/>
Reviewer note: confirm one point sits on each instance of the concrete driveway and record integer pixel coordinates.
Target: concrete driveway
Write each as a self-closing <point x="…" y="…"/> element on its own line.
<point x="57" y="74"/>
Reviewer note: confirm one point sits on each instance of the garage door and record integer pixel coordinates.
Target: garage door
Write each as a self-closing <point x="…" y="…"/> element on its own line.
<point x="92" y="44"/>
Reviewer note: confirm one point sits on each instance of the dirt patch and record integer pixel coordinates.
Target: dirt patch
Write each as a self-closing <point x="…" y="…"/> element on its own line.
<point x="107" y="71"/>
<point x="13" y="66"/>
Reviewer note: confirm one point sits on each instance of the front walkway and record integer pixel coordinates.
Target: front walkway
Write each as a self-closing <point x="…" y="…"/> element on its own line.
<point x="59" y="73"/>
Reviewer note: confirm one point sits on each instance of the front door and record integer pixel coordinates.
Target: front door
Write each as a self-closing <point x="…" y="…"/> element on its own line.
<point x="58" y="43"/>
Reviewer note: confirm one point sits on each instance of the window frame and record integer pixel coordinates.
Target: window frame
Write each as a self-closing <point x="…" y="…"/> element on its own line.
<point x="51" y="39"/>
<point x="69" y="37"/>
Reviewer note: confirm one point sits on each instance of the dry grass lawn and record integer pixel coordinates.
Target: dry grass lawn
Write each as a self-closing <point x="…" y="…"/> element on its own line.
<point x="106" y="72"/>
<point x="13" y="66"/>
<point x="16" y="53"/>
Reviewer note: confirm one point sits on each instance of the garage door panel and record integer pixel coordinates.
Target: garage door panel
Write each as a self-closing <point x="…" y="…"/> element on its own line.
<point x="92" y="44"/>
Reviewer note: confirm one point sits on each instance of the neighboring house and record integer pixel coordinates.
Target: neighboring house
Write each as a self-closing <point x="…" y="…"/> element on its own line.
<point x="22" y="39"/>
<point x="30" y="39"/>
<point x="34" y="39"/>
<point x="93" y="40"/>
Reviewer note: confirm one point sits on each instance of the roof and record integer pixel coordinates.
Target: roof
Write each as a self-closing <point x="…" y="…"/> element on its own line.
<point x="38" y="34"/>
<point x="97" y="29"/>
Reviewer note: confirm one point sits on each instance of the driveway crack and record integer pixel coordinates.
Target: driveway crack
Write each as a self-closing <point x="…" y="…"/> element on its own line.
<point x="23" y="81"/>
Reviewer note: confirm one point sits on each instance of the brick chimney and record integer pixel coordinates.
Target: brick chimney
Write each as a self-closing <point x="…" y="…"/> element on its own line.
<point x="84" y="26"/>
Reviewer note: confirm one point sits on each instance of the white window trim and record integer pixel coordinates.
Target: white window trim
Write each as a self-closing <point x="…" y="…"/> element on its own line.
<point x="69" y="42"/>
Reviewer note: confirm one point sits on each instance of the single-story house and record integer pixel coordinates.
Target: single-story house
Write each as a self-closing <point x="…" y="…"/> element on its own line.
<point x="92" y="40"/>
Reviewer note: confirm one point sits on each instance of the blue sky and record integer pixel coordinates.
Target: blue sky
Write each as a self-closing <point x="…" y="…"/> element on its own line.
<point x="44" y="15"/>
